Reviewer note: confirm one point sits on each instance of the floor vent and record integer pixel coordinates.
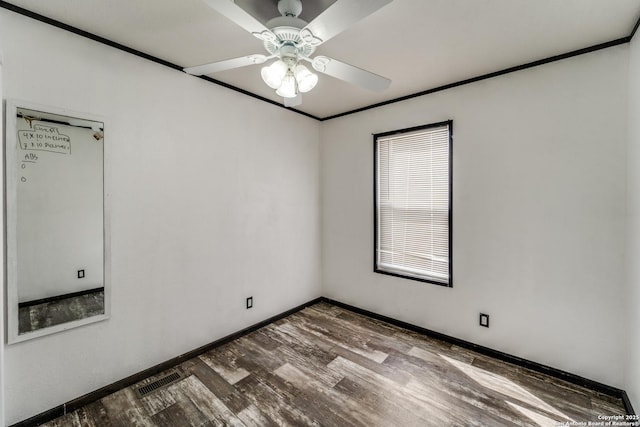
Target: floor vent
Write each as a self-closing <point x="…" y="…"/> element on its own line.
<point x="143" y="390"/>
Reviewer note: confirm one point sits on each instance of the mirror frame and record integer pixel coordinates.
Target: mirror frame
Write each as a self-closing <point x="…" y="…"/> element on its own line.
<point x="11" y="194"/>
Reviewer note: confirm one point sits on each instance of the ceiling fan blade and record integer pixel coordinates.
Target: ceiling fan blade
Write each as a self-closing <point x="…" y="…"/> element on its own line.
<point x="293" y="102"/>
<point x="235" y="13"/>
<point x="337" y="18"/>
<point x="228" y="64"/>
<point x="350" y="74"/>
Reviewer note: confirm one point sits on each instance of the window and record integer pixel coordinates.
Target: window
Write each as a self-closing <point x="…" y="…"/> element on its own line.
<point x="413" y="203"/>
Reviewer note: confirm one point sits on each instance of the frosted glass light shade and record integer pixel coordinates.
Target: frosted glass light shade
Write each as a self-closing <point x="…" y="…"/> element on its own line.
<point x="305" y="78"/>
<point x="274" y="73"/>
<point x="288" y="87"/>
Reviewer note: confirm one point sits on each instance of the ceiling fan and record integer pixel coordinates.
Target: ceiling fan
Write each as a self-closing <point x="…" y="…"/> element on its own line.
<point x="290" y="41"/>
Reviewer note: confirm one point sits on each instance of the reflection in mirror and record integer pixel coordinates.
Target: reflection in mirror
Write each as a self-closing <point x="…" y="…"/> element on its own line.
<point x="55" y="217"/>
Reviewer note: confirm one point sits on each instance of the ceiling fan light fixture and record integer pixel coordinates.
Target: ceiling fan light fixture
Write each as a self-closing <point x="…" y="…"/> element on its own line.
<point x="288" y="88"/>
<point x="305" y="78"/>
<point x="274" y="74"/>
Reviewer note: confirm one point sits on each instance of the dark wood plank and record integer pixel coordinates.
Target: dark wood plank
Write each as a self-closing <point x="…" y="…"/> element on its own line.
<point x="228" y="394"/>
<point x="123" y="409"/>
<point x="67" y="420"/>
<point x="330" y="406"/>
<point x="172" y="416"/>
<point x="223" y="362"/>
<point x="94" y="415"/>
<point x="276" y="401"/>
<point x="252" y="416"/>
<point x="338" y="334"/>
<point x="196" y="400"/>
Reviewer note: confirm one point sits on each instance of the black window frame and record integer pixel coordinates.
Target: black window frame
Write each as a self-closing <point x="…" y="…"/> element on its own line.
<point x="449" y="124"/>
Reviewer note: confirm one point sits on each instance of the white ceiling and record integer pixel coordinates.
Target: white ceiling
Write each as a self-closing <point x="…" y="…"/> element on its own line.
<point x="418" y="44"/>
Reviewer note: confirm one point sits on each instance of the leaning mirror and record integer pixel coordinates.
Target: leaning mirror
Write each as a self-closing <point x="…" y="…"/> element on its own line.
<point x="56" y="239"/>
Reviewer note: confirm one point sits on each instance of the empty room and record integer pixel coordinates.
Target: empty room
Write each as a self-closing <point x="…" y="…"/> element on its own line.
<point x="320" y="213"/>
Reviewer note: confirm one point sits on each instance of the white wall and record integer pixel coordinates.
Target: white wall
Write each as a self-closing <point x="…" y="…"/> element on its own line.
<point x="633" y="224"/>
<point x="214" y="197"/>
<point x="538" y="214"/>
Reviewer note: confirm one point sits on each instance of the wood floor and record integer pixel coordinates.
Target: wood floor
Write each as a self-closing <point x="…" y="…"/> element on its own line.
<point x="328" y="366"/>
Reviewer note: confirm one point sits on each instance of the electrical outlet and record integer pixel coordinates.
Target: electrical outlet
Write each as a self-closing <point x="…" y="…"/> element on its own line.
<point x="249" y="302"/>
<point x="80" y="274"/>
<point x="484" y="320"/>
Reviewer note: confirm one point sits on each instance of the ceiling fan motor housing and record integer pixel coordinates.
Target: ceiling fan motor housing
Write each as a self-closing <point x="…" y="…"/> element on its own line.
<point x="287" y="30"/>
<point x="288" y="37"/>
<point x="290" y="7"/>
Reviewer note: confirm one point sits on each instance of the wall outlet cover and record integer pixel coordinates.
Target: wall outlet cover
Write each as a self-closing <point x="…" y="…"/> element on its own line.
<point x="484" y="320"/>
<point x="80" y="274"/>
<point x="249" y="302"/>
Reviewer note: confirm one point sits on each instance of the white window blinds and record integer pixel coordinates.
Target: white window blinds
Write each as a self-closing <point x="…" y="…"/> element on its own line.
<point x="412" y="204"/>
